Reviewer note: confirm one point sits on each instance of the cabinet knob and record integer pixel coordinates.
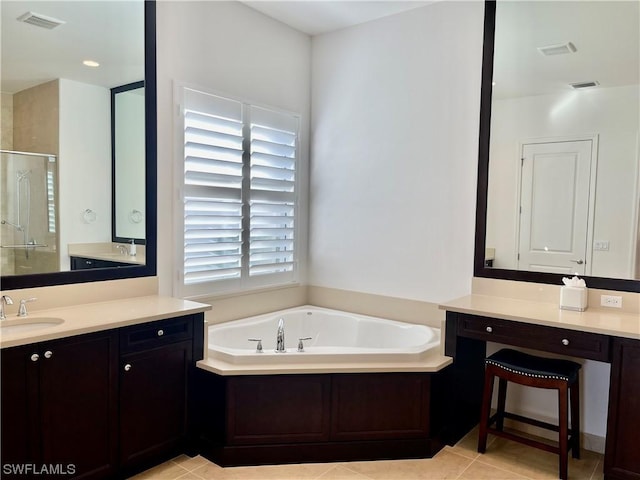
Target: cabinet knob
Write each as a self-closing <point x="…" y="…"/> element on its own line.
<point x="127" y="367"/>
<point x="160" y="332"/>
<point x="489" y="329"/>
<point x="35" y="357"/>
<point x="565" y="342"/>
<point x="48" y="354"/>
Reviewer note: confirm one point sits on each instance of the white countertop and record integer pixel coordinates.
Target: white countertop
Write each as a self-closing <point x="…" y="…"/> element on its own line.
<point x="95" y="317"/>
<point x="608" y="322"/>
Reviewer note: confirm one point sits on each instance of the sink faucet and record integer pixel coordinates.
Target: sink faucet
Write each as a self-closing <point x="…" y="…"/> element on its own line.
<point x="22" y="310"/>
<point x="280" y="337"/>
<point x="4" y="300"/>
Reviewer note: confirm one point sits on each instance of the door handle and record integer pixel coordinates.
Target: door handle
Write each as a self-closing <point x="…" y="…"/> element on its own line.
<point x="579" y="262"/>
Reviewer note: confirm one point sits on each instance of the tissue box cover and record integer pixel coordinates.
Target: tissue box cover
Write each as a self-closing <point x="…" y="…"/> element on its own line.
<point x="573" y="298"/>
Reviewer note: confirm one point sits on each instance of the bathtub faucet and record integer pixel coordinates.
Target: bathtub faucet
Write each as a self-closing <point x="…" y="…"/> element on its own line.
<point x="280" y="337"/>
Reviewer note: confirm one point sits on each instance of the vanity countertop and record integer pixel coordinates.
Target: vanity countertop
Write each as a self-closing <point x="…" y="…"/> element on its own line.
<point x="138" y="259"/>
<point x="94" y="317"/>
<point x="608" y="322"/>
<point x="108" y="251"/>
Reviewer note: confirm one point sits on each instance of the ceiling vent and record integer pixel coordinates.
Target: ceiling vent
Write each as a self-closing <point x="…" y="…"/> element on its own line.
<point x="40" y="20"/>
<point x="579" y="85"/>
<point x="559" y="49"/>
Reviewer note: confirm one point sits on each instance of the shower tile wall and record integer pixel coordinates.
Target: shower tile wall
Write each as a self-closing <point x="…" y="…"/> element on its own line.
<point x="35" y="127"/>
<point x="6" y="143"/>
<point x="35" y="119"/>
<point x="6" y="120"/>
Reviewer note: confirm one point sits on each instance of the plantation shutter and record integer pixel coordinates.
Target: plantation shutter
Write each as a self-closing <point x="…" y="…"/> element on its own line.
<point x="272" y="195"/>
<point x="212" y="188"/>
<point x="239" y="192"/>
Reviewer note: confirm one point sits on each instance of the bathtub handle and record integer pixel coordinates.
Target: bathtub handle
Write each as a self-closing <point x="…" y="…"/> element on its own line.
<point x="300" y="344"/>
<point x="259" y="345"/>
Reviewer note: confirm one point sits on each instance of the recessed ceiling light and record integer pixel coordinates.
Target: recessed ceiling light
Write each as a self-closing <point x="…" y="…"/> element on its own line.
<point x="493" y="84"/>
<point x="91" y="63"/>
<point x="559" y="49"/>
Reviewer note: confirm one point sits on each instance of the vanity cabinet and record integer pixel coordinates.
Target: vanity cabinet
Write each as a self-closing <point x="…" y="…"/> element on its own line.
<point x="59" y="406"/>
<point x="100" y="405"/>
<point x="622" y="459"/>
<point x="83" y="263"/>
<point x="155" y="367"/>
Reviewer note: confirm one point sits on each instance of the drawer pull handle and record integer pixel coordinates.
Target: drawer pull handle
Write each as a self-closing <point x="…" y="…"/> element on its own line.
<point x="565" y="342"/>
<point x="127" y="367"/>
<point x="48" y="354"/>
<point x="35" y="357"/>
<point x="489" y="329"/>
<point x="160" y="332"/>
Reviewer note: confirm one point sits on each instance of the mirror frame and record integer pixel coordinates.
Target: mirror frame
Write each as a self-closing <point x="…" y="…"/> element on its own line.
<point x="479" y="268"/>
<point x="151" y="185"/>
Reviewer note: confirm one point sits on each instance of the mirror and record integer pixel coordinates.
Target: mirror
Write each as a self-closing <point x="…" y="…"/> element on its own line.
<point x="558" y="177"/>
<point x="127" y="147"/>
<point x="121" y="37"/>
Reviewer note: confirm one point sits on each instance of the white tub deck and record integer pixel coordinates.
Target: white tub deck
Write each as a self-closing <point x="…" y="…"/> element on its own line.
<point x="340" y="343"/>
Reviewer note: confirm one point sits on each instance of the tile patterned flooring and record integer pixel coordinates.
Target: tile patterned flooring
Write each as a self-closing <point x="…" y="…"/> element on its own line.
<point x="504" y="460"/>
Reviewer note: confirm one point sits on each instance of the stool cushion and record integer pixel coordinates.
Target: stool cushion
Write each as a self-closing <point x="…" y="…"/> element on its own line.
<point x="533" y="366"/>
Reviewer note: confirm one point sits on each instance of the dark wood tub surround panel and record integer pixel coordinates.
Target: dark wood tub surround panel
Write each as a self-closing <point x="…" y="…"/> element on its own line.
<point x="270" y="419"/>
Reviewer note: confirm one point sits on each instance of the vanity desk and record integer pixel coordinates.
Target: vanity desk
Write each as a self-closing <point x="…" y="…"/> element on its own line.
<point x="605" y="336"/>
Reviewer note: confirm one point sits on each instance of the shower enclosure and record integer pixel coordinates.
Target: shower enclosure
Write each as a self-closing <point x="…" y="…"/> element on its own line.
<point x="28" y="213"/>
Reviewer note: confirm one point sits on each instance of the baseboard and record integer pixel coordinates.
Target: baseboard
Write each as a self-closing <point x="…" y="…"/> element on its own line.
<point x="231" y="456"/>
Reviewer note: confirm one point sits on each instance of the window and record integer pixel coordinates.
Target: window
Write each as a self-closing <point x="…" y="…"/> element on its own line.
<point x="239" y="194"/>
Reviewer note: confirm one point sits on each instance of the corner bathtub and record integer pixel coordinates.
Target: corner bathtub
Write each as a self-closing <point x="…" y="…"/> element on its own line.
<point x="336" y="337"/>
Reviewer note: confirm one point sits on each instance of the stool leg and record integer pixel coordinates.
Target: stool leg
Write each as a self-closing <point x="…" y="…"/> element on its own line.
<point x="563" y="404"/>
<point x="502" y="398"/>
<point x="574" y="395"/>
<point x="486" y="409"/>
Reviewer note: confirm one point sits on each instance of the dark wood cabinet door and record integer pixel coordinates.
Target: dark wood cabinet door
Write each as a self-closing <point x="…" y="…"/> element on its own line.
<point x="358" y="401"/>
<point x="78" y="403"/>
<point x="622" y="456"/>
<point x="292" y="409"/>
<point x="19" y="405"/>
<point x="153" y="401"/>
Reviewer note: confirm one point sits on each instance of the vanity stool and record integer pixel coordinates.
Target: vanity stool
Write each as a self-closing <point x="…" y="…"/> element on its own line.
<point x="533" y="371"/>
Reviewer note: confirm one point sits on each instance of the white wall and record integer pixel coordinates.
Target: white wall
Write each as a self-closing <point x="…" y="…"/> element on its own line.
<point x="232" y="49"/>
<point x="394" y="153"/>
<point x="84" y="162"/>
<point x="612" y="113"/>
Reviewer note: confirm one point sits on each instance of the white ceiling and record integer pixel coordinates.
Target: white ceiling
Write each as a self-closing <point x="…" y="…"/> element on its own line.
<point x="109" y="32"/>
<point x="605" y="33"/>
<point x="315" y="17"/>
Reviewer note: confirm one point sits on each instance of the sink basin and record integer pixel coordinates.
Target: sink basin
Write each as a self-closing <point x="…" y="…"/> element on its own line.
<point x="28" y="324"/>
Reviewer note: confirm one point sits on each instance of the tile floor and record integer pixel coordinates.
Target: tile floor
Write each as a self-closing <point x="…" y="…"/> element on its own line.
<point x="504" y="460"/>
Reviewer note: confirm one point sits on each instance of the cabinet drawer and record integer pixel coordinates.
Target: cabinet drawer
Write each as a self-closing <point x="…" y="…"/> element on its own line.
<point x="155" y="334"/>
<point x="550" y="339"/>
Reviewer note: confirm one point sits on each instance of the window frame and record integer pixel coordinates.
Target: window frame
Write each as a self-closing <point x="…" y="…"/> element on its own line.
<point x="245" y="283"/>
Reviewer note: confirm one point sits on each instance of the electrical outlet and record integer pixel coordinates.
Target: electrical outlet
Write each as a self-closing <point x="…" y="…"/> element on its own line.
<point x="611" y="301"/>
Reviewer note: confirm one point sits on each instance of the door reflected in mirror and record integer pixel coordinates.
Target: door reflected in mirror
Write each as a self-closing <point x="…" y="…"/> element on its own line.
<point x="563" y="190"/>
